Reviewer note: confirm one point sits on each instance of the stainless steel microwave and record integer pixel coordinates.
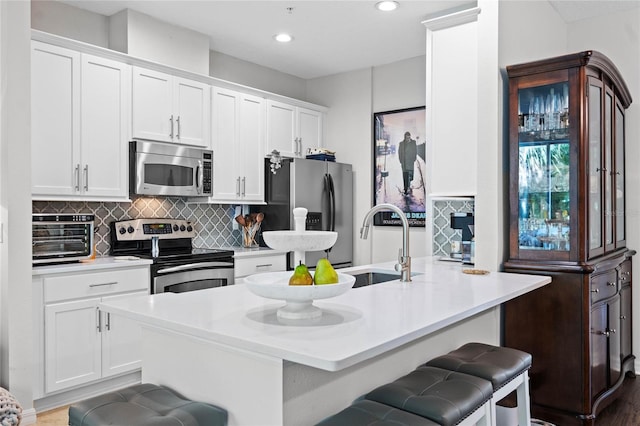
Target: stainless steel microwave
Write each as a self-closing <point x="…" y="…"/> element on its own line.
<point x="62" y="237"/>
<point x="158" y="168"/>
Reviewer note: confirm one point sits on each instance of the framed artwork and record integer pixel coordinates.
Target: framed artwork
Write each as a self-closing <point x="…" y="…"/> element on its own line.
<point x="399" y="168"/>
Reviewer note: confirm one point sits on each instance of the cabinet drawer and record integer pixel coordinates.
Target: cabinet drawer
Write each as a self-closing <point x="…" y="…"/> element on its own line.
<point x="72" y="286"/>
<point x="604" y="286"/>
<point x="255" y="265"/>
<point x="624" y="275"/>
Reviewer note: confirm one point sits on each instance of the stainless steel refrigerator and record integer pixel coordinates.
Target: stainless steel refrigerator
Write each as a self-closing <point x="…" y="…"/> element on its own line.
<point x="325" y="189"/>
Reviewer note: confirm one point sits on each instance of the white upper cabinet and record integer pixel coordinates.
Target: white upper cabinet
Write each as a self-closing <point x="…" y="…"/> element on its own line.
<point x="55" y="119"/>
<point x="80" y="122"/>
<point x="238" y="145"/>
<point x="105" y="94"/>
<point x="291" y="130"/>
<point x="170" y="109"/>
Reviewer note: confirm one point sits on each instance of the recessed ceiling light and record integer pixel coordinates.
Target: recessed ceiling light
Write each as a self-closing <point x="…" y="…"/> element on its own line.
<point x="283" y="38"/>
<point x="387" y="6"/>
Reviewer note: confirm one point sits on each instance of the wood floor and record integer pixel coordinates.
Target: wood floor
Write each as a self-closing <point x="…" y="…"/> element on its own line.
<point x="625" y="411"/>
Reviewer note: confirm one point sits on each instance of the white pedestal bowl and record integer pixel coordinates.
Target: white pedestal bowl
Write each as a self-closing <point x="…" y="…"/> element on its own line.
<point x="299" y="298"/>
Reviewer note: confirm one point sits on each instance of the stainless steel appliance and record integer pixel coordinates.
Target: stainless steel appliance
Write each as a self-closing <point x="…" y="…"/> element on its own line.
<point x="169" y="169"/>
<point x="325" y="189"/>
<point x="177" y="267"/>
<point x="61" y="238"/>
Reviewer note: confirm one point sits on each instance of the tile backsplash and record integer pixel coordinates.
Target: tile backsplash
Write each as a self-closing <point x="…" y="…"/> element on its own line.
<point x="443" y="234"/>
<point x="212" y="222"/>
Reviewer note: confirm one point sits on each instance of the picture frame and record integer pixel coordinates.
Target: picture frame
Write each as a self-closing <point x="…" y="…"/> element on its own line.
<point x="399" y="170"/>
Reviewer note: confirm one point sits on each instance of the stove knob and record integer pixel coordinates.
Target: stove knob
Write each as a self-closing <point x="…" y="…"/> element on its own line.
<point x="189" y="228"/>
<point x="122" y="230"/>
<point x="175" y="228"/>
<point x="182" y="228"/>
<point x="130" y="229"/>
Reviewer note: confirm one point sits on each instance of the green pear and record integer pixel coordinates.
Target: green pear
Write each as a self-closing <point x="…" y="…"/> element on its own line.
<point x="325" y="274"/>
<point x="301" y="276"/>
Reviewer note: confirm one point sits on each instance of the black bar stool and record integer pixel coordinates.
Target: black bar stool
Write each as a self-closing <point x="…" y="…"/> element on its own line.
<point x="506" y="369"/>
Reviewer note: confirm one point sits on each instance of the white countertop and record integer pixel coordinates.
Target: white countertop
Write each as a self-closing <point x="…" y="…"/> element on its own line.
<point x="360" y="324"/>
<point x="106" y="262"/>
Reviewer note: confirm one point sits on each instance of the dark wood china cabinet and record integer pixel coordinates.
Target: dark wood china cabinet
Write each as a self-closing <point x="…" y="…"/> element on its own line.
<point x="567" y="220"/>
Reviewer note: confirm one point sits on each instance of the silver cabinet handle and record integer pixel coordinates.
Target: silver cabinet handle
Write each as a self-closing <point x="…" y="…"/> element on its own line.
<point x="107" y="325"/>
<point x="595" y="290"/>
<point x="178" y="123"/>
<point x="238" y="186"/>
<point x="266" y="265"/>
<point x="244" y="186"/>
<point x="171" y="120"/>
<point x="86" y="177"/>
<point x="103" y="284"/>
<point x="300" y="147"/>
<point x="77" y="173"/>
<point x="99" y="322"/>
<point x="611" y="283"/>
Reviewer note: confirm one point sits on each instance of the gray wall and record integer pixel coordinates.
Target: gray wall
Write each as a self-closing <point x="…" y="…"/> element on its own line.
<point x="352" y="99"/>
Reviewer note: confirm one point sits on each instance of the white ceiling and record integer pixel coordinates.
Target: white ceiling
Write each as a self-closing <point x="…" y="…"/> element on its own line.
<point x="330" y="37"/>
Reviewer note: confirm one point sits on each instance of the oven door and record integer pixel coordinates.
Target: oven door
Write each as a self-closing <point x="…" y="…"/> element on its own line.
<point x="191" y="277"/>
<point x="157" y="174"/>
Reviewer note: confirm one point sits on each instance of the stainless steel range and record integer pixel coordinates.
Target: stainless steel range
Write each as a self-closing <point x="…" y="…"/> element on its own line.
<point x="177" y="266"/>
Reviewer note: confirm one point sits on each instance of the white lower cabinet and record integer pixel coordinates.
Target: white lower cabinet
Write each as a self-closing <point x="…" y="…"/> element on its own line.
<point x="79" y="343"/>
<point x="248" y="265"/>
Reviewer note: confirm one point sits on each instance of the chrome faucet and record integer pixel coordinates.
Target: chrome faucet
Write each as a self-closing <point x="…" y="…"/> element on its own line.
<point x="404" y="260"/>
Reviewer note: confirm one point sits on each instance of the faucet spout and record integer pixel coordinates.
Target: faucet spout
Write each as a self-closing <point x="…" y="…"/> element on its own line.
<point x="404" y="260"/>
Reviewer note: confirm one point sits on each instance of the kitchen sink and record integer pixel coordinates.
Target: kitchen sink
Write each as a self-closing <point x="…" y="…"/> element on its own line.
<point x="374" y="277"/>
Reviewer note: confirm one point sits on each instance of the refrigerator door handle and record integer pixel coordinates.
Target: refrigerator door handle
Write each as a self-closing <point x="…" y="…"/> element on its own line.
<point x="331" y="193"/>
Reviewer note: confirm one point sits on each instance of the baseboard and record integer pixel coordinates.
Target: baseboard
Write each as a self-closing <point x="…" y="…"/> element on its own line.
<point x="80" y="393"/>
<point x="28" y="417"/>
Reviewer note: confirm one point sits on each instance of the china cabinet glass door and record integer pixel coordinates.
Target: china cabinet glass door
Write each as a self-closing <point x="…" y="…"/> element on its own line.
<point x="544" y="168"/>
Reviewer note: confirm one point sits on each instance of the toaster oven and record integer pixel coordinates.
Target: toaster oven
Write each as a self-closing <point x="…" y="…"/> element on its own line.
<point x="62" y="238"/>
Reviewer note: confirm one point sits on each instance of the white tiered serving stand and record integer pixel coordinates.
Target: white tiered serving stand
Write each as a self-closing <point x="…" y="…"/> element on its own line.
<point x="275" y="285"/>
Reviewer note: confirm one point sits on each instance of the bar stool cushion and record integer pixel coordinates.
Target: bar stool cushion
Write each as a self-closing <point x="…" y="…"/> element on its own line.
<point x="445" y="397"/>
<point x="371" y="413"/>
<point x="497" y="364"/>
<point x="145" y="405"/>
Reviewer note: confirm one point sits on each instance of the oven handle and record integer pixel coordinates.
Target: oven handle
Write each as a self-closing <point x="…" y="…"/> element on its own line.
<point x="199" y="265"/>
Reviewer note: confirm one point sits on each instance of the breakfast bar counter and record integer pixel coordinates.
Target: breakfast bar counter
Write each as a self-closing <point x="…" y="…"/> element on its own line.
<point x="228" y="347"/>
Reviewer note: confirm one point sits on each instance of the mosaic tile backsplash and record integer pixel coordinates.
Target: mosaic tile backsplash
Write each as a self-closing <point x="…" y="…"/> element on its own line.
<point x="442" y="232"/>
<point x="212" y="222"/>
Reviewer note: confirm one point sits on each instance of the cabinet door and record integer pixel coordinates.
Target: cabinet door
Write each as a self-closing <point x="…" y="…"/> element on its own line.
<point x="625" y="322"/>
<point x="281" y="132"/>
<point x="595" y="173"/>
<point x="106" y="94"/>
<point x="152" y="115"/>
<point x="72" y="344"/>
<point x="619" y="176"/>
<point x="192" y="118"/>
<point x="226" y="177"/>
<point x="599" y="349"/>
<point x="309" y="130"/>
<point x="55" y="120"/>
<point x="251" y="142"/>
<point x="121" y="339"/>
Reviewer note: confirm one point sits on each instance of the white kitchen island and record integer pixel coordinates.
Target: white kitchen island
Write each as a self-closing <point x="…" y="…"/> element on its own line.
<point x="226" y="345"/>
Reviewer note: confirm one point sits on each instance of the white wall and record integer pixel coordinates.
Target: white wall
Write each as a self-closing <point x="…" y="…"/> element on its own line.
<point x="348" y="132"/>
<point x="71" y="22"/>
<point x="619" y="39"/>
<point x="229" y="68"/>
<point x="146" y="37"/>
<point x="16" y="319"/>
<point x="352" y="99"/>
